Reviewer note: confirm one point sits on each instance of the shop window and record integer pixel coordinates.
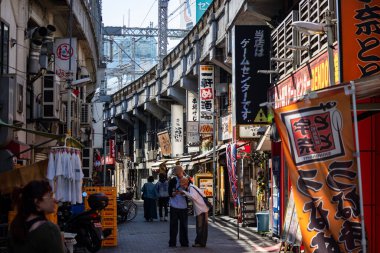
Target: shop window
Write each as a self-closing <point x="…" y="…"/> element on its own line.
<point x="4" y="48"/>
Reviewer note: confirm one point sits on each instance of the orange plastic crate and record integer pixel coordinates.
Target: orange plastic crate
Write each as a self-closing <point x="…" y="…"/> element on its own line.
<point x="114" y="230"/>
<point x="109" y="191"/>
<point x="91" y="189"/>
<point x="109" y="221"/>
<point x="109" y="212"/>
<point x="109" y="242"/>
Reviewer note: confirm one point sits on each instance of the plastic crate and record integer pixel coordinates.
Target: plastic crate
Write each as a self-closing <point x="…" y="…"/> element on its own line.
<point x="114" y="230"/>
<point x="112" y="203"/>
<point x="109" y="242"/>
<point x="109" y="221"/>
<point x="109" y="212"/>
<point x="91" y="189"/>
<point x="109" y="191"/>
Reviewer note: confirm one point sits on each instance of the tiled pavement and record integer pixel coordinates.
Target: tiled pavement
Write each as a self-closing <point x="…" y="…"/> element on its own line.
<point x="140" y="236"/>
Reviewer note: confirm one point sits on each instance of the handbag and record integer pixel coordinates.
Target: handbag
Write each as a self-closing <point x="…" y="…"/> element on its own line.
<point x="205" y="199"/>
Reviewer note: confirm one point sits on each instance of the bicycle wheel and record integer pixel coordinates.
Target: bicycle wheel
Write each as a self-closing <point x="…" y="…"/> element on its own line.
<point x="132" y="212"/>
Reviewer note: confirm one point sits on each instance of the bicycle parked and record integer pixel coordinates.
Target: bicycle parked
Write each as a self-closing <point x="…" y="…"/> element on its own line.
<point x="126" y="208"/>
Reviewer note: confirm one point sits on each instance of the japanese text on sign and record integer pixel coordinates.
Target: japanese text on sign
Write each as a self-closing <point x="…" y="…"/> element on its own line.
<point x="206" y="93"/>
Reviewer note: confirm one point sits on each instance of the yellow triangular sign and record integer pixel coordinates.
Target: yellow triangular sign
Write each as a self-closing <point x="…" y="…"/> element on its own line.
<point x="261" y="117"/>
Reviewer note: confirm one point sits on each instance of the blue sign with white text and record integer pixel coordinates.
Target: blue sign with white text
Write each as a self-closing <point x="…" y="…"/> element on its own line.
<point x="201" y="7"/>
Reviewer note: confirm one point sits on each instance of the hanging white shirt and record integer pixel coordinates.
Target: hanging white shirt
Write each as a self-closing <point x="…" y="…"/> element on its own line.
<point x="51" y="170"/>
<point x="60" y="186"/>
<point x="78" y="178"/>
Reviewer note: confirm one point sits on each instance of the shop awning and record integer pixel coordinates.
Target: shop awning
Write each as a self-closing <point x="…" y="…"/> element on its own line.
<point x="199" y="161"/>
<point x="157" y="164"/>
<point x="185" y="160"/>
<point x="171" y="163"/>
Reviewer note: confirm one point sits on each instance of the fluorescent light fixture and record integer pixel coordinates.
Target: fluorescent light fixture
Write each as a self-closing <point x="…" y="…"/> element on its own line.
<point x="81" y="82"/>
<point x="281" y="59"/>
<point x="261" y="71"/>
<point x="309" y="28"/>
<point x="292" y="47"/>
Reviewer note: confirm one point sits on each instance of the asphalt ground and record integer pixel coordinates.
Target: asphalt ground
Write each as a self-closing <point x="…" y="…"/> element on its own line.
<point x="141" y="236"/>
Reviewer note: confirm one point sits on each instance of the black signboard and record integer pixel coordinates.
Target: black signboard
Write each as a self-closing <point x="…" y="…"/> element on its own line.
<point x="252" y="45"/>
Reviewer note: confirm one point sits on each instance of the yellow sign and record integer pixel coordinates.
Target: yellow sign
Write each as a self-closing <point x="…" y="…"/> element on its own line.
<point x="261" y="117"/>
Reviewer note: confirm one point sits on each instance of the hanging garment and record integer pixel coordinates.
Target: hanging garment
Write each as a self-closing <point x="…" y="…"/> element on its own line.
<point x="50" y="175"/>
<point x="78" y="178"/>
<point x="59" y="173"/>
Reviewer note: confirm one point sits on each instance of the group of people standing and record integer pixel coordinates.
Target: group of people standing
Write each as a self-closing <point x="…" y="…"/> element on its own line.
<point x="151" y="193"/>
<point x="176" y="193"/>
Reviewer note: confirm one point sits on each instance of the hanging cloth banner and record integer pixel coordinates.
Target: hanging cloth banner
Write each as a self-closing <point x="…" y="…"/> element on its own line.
<point x="318" y="144"/>
<point x="231" y="167"/>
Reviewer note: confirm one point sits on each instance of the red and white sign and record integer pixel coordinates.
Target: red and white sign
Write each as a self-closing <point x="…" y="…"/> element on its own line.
<point x="112" y="148"/>
<point x="206" y="94"/>
<point x="64" y="57"/>
<point x="314" y="76"/>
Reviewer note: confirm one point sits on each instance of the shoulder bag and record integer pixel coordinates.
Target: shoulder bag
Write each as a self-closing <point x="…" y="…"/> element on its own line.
<point x="205" y="199"/>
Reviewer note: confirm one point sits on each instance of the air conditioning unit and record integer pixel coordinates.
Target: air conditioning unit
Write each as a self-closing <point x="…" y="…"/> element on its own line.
<point x="87" y="162"/>
<point x="86" y="114"/>
<point x="7" y="96"/>
<point x="51" y="97"/>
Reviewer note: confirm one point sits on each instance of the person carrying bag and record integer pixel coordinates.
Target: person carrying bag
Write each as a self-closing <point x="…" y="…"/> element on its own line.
<point x="201" y="210"/>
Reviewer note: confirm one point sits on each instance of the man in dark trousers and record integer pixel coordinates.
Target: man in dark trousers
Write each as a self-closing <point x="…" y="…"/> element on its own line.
<point x="178" y="210"/>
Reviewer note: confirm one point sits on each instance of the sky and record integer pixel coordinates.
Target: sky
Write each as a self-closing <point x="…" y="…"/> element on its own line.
<point x="142" y="12"/>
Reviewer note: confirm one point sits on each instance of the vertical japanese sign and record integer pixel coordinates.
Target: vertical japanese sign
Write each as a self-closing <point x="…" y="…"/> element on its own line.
<point x="192" y="135"/>
<point x="112" y="148"/>
<point x="63" y="55"/>
<point x="200" y="8"/>
<point x="192" y="106"/>
<point x="318" y="145"/>
<point x="359" y="57"/>
<point x="206" y="98"/>
<point x="231" y="167"/>
<point x="226" y="126"/>
<point x="177" y="130"/>
<point x="251" y="45"/>
<point x="164" y="141"/>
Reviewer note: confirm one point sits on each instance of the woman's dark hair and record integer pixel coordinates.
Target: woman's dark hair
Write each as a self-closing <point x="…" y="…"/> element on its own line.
<point x="150" y="179"/>
<point x="25" y="204"/>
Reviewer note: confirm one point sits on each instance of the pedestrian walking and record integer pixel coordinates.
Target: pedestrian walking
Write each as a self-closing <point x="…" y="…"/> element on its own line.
<point x="178" y="210"/>
<point x="149" y="194"/>
<point x="30" y="231"/>
<point x="163" y="196"/>
<point x="200" y="211"/>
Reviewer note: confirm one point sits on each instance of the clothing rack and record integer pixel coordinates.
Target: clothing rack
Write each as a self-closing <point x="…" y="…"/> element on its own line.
<point x="65" y="146"/>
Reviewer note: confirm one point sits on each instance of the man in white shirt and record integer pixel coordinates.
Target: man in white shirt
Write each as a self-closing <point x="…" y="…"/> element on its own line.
<point x="200" y="211"/>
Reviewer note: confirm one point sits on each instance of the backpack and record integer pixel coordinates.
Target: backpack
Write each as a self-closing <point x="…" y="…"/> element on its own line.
<point x="162" y="189"/>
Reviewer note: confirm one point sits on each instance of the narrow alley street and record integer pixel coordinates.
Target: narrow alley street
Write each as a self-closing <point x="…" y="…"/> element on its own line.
<point x="141" y="236"/>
